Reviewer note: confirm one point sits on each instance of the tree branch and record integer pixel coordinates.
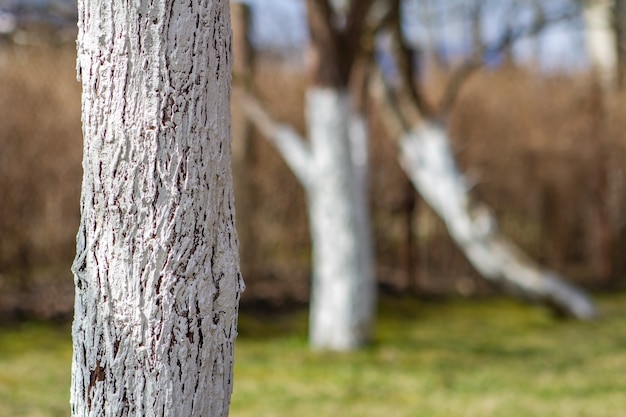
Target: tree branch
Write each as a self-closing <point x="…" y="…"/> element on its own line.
<point x="427" y="159"/>
<point x="505" y="42"/>
<point x="330" y="59"/>
<point x="405" y="63"/>
<point x="356" y="21"/>
<point x="388" y="106"/>
<point x="287" y="141"/>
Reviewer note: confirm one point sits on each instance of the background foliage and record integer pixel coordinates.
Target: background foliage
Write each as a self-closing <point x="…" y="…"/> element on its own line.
<point x="528" y="141"/>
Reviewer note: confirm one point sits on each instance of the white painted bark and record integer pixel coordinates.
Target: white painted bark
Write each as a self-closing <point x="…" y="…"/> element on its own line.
<point x="366" y="290"/>
<point x="157" y="269"/>
<point x="333" y="168"/>
<point x="427" y="159"/>
<point x="343" y="287"/>
<point x="292" y="147"/>
<point x="601" y="41"/>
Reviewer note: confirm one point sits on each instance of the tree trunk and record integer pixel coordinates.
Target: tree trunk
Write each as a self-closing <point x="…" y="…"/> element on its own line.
<point x="619" y="22"/>
<point x="601" y="41"/>
<point x="602" y="19"/>
<point x="427" y="159"/>
<point x="333" y="168"/>
<point x="343" y="288"/>
<point x="157" y="269"/>
<point x="342" y="300"/>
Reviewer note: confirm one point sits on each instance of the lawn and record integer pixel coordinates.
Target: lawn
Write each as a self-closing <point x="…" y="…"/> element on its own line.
<point x="491" y="357"/>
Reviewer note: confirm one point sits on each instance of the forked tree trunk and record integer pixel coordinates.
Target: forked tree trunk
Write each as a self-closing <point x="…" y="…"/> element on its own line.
<point x="157" y="269"/>
<point x="333" y="169"/>
<point x="427" y="159"/>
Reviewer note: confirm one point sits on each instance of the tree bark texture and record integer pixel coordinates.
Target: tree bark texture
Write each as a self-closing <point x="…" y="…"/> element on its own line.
<point x="157" y="269"/>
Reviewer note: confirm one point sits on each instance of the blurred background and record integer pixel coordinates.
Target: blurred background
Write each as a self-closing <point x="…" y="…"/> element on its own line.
<point x="538" y="132"/>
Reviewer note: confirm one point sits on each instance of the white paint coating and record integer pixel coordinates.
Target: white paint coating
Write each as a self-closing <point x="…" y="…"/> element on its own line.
<point x="157" y="269"/>
<point x="428" y="161"/>
<point x="292" y="147"/>
<point x="333" y="168"/>
<point x="343" y="288"/>
<point x="601" y="40"/>
<point x="295" y="152"/>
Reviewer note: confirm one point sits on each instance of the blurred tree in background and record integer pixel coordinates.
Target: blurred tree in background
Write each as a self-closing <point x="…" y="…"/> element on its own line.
<point x="333" y="166"/>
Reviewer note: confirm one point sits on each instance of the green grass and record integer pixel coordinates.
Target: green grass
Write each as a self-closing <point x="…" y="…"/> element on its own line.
<point x="453" y="358"/>
<point x="34" y="370"/>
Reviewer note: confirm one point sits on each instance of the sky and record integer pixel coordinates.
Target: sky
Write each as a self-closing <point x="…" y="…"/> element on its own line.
<point x="282" y="23"/>
<point x="278" y="22"/>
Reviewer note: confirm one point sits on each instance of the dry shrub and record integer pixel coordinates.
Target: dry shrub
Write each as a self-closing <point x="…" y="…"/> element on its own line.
<point x="271" y="209"/>
<point x="529" y="143"/>
<point x="40" y="170"/>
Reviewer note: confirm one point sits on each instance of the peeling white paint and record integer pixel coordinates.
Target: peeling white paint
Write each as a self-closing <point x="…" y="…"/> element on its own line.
<point x="157" y="269"/>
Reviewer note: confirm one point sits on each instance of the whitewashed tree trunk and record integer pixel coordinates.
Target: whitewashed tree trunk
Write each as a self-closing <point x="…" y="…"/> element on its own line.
<point x="157" y="269"/>
<point x="343" y="288"/>
<point x="427" y="159"/>
<point x="601" y="41"/>
<point x="333" y="168"/>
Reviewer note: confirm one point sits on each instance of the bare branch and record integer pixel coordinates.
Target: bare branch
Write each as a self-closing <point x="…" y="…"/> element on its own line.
<point x="356" y="21"/>
<point x="504" y="43"/>
<point x="328" y="62"/>
<point x="456" y="81"/>
<point x="378" y="17"/>
<point x="476" y="16"/>
<point x="388" y="106"/>
<point x="287" y="141"/>
<point x="405" y="63"/>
